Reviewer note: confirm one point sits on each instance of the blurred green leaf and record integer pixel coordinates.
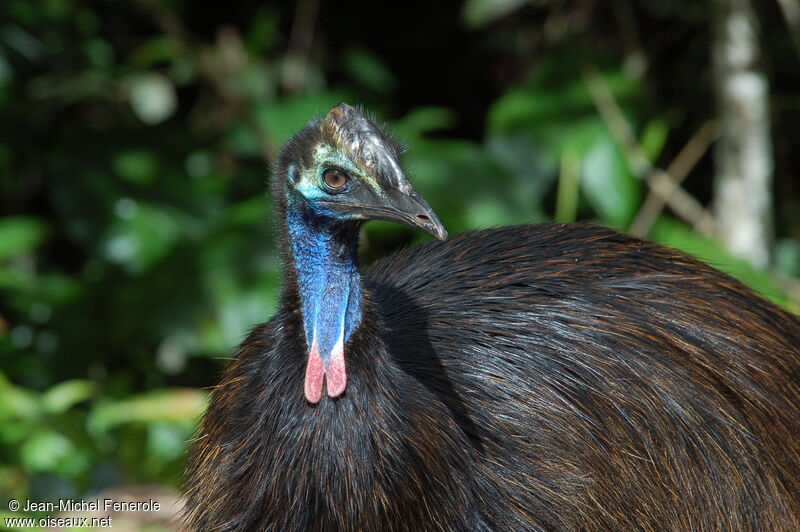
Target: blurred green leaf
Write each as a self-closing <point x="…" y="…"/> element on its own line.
<point x="552" y="99"/>
<point x="154" y="51"/>
<point x="65" y="395"/>
<point x="20" y="234"/>
<point x="87" y="22"/>
<point x="488" y="211"/>
<point x="654" y="137"/>
<point x="237" y="307"/>
<point x="137" y="166"/>
<point x="17" y="402"/>
<point x="554" y="110"/>
<point x="99" y="53"/>
<point x="263" y="31"/>
<point x="47" y="450"/>
<point x="250" y="211"/>
<point x="423" y="120"/>
<point x="23" y="42"/>
<point x="529" y="171"/>
<point x="367" y="70"/>
<point x="175" y="405"/>
<point x="167" y="441"/>
<point x="608" y="184"/>
<point x="142" y="235"/>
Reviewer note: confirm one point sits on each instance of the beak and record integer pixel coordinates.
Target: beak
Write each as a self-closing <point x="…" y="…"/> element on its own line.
<point x="407" y="208"/>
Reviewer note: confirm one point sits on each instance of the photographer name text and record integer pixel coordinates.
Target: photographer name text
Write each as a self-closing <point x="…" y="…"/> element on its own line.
<point x="96" y="505"/>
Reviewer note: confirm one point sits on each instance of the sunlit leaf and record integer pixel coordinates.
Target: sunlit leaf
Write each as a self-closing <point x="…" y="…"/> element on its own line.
<point x="654" y="137"/>
<point x="17" y="402"/>
<point x="45" y="450"/>
<point x="65" y="395"/>
<point x="175" y="404"/>
<point x="608" y="184"/>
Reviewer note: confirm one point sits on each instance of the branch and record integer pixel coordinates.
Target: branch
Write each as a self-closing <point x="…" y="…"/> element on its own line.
<point x="659" y="181"/>
<point x="678" y="169"/>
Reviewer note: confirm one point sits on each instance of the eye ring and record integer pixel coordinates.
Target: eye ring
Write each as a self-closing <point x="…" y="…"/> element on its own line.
<point x="334" y="180"/>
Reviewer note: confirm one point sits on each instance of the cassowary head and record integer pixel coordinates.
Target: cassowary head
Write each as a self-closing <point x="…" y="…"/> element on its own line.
<point x="343" y="168"/>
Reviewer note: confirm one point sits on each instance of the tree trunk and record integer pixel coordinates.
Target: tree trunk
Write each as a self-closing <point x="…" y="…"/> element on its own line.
<point x="743" y="153"/>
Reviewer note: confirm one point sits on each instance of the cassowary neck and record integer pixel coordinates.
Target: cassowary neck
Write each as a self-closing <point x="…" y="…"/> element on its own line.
<point x="323" y="256"/>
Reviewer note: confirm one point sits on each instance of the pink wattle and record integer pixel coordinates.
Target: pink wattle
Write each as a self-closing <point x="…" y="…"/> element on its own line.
<point x="314" y="375"/>
<point x="335" y="374"/>
<point x="332" y="371"/>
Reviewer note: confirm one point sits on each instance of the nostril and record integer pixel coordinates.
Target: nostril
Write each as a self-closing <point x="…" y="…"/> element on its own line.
<point x="423" y="217"/>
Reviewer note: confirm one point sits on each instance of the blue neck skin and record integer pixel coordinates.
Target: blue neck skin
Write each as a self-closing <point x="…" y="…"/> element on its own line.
<point x="329" y="285"/>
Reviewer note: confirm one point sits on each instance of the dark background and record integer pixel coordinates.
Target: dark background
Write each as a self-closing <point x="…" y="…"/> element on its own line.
<point x="136" y="244"/>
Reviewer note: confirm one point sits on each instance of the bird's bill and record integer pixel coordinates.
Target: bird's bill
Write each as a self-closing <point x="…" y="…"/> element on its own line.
<point x="408" y="209"/>
<point x="395" y="205"/>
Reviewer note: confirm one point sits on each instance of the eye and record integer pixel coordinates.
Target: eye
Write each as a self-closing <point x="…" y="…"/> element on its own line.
<point x="334" y="180"/>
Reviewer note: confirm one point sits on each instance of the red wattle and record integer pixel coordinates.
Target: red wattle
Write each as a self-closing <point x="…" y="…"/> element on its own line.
<point x="336" y="376"/>
<point x="314" y="375"/>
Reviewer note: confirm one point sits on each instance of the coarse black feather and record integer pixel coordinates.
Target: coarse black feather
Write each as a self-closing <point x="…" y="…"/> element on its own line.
<point x="540" y="377"/>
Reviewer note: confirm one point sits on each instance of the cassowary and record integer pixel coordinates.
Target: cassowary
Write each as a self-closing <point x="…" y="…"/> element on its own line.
<point x="539" y="377"/>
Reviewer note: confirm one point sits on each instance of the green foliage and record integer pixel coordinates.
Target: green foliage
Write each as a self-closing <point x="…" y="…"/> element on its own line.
<point x="67" y="430"/>
<point x="554" y="115"/>
<point x="19" y="235"/>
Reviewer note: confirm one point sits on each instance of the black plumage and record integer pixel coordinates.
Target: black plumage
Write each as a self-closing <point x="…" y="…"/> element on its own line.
<point x="539" y="377"/>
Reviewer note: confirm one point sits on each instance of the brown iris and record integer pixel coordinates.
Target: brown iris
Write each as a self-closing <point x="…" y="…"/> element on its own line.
<point x="334" y="179"/>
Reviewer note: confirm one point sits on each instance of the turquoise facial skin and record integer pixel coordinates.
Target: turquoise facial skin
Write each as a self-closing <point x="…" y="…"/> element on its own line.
<point x="325" y="256"/>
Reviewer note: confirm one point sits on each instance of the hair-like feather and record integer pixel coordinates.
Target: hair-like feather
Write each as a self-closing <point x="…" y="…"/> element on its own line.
<point x="538" y="377"/>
